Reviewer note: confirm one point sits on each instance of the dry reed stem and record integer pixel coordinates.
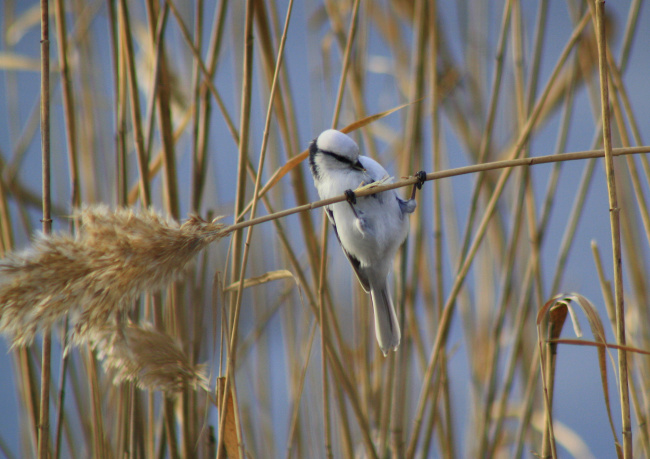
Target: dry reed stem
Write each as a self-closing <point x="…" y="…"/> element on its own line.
<point x="312" y="302"/>
<point x="163" y="85"/>
<point x="153" y="360"/>
<point x="44" y="415"/>
<point x="346" y="62"/>
<point x="301" y="384"/>
<point x="615" y="228"/>
<point x="524" y="305"/>
<point x="504" y="164"/>
<point x="322" y="274"/>
<point x="230" y="437"/>
<point x="207" y="73"/>
<point x="463" y="268"/>
<point x="237" y="270"/>
<point x="126" y="42"/>
<point x="116" y="256"/>
<point x="437" y="298"/>
<point x="322" y="277"/>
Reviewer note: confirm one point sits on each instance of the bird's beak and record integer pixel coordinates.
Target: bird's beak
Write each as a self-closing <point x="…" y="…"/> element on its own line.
<point x="358" y="166"/>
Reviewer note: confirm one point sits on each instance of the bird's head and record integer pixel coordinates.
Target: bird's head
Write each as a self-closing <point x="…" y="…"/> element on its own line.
<point x="332" y="150"/>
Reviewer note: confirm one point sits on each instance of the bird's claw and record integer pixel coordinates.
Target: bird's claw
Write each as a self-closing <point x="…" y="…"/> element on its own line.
<point x="422" y="177"/>
<point x="352" y="198"/>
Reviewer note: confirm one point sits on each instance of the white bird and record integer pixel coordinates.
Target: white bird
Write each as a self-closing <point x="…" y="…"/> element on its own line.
<point x="370" y="229"/>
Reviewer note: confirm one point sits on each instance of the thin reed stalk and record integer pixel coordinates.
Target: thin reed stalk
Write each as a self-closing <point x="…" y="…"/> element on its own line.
<point x="614" y="213"/>
<point x="504" y="164"/>
<point x="323" y="330"/>
<point x="44" y="415"/>
<point x="238" y="261"/>
<point x="126" y="48"/>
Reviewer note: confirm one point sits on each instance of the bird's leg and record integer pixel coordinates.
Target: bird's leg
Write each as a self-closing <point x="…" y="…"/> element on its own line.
<point x="409" y="206"/>
<point x="422" y="177"/>
<point x="352" y="200"/>
<point x="360" y="223"/>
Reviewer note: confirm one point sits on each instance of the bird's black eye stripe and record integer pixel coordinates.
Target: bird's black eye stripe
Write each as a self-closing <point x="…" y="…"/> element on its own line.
<point x="343" y="159"/>
<point x="313" y="148"/>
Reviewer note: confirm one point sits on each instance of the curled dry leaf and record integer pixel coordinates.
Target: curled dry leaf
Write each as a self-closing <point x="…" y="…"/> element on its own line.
<point x="597" y="330"/>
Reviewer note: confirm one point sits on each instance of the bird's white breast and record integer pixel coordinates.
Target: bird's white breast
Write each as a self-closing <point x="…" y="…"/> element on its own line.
<point x="385" y="225"/>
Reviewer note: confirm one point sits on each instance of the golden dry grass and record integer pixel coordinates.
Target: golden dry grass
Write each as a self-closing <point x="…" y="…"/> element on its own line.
<point x="149" y="358"/>
<point x="97" y="273"/>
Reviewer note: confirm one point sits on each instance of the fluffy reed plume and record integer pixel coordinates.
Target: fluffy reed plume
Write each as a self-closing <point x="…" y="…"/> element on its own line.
<point x="117" y="255"/>
<point x="150" y="358"/>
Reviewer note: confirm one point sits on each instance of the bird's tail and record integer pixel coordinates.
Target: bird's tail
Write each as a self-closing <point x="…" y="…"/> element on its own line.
<point x="386" y="324"/>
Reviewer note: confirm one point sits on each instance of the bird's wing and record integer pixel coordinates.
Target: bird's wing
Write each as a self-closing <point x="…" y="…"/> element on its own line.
<point x="356" y="264"/>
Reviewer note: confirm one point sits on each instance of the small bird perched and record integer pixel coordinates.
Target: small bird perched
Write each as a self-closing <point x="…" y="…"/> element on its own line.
<point x="370" y="229"/>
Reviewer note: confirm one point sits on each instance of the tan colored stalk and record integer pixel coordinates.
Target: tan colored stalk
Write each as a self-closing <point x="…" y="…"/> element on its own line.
<point x="347" y="443"/>
<point x="202" y="99"/>
<point x="241" y="189"/>
<point x="44" y="415"/>
<point x="129" y="61"/>
<point x="287" y="127"/>
<point x="301" y="384"/>
<point x="524" y="305"/>
<point x="322" y="277"/>
<point x="346" y="61"/>
<point x="504" y="164"/>
<point x="299" y="272"/>
<point x="464" y="268"/>
<point x="630" y="28"/>
<point x="6" y="234"/>
<point x="206" y="73"/>
<point x="447" y="442"/>
<point x="412" y="148"/>
<point x="75" y="199"/>
<point x="119" y="109"/>
<point x="614" y="213"/>
<point x="323" y="333"/>
<point x="493" y="352"/>
<point x="608" y="298"/>
<point x="157" y="50"/>
<point x="307" y="287"/>
<point x="95" y="404"/>
<point x="548" y="361"/>
<point x="163" y="96"/>
<point x="617" y="110"/>
<point x="68" y="102"/>
<point x="238" y="262"/>
<point x="486" y="138"/>
<point x="29" y="393"/>
<point x="540" y="29"/>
